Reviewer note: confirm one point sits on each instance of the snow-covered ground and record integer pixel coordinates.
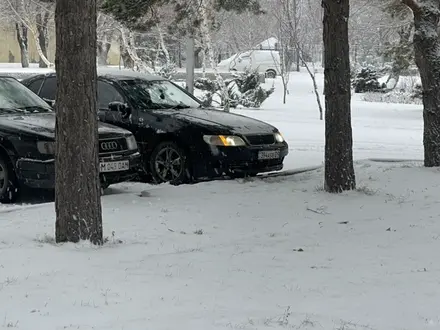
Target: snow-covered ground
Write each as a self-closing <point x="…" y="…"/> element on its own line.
<point x="247" y="254"/>
<point x="274" y="253"/>
<point x="380" y="130"/>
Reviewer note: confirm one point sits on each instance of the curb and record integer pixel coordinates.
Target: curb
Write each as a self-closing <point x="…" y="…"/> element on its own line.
<point x="314" y="168"/>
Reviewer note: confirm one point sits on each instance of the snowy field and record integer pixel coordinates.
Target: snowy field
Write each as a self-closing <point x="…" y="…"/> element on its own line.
<point x="273" y="253"/>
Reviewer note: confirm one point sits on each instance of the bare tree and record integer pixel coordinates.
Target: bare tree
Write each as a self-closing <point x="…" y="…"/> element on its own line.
<point x="23" y="13"/>
<point x="311" y="72"/>
<point x="106" y="30"/>
<point x="23" y="42"/>
<point x="426" y="45"/>
<point x="42" y="19"/>
<point x="339" y="169"/>
<point x="77" y="188"/>
<point x="128" y="47"/>
<point x="241" y="32"/>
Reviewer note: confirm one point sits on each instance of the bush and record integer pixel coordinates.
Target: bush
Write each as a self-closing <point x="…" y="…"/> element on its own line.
<point x="367" y="81"/>
<point x="417" y="92"/>
<point x="206" y="84"/>
<point x="167" y="71"/>
<point x="394" y="96"/>
<point x="243" y="89"/>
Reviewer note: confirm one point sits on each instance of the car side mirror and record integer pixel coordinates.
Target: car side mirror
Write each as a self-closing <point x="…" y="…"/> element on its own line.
<point x="50" y="102"/>
<point x="120" y="107"/>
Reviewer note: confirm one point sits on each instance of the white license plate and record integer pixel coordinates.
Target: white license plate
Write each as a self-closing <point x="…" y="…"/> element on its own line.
<point x="122" y="165"/>
<point x="268" y="154"/>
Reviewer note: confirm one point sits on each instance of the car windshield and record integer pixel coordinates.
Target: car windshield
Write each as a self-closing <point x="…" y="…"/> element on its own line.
<point x="157" y="94"/>
<point x="16" y="98"/>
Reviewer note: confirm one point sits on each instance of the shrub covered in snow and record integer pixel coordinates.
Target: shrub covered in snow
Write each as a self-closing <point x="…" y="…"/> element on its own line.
<point x="394" y="96"/>
<point x="206" y="84"/>
<point x="417" y="91"/>
<point x="367" y="81"/>
<point x="243" y="89"/>
<point x="167" y="71"/>
<point x="407" y="91"/>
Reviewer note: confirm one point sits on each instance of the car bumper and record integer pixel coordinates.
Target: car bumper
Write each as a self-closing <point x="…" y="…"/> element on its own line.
<point x="35" y="173"/>
<point x="226" y="160"/>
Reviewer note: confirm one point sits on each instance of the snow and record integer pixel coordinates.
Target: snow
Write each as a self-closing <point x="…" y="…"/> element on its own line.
<point x="380" y="130"/>
<point x="406" y="83"/>
<point x="265" y="253"/>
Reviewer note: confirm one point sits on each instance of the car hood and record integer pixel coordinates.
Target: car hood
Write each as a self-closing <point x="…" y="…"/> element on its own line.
<point x="222" y="121"/>
<point x="43" y="125"/>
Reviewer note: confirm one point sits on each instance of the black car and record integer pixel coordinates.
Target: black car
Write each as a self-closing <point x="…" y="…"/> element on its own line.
<point x="179" y="140"/>
<point x="27" y="144"/>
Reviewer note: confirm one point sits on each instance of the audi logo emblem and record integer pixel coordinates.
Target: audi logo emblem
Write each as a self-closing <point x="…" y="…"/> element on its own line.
<point x="109" y="145"/>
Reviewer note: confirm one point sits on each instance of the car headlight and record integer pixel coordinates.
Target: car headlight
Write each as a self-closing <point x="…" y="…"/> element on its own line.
<point x="131" y="143"/>
<point x="279" y="138"/>
<point x="46" y="147"/>
<point x="224" y="140"/>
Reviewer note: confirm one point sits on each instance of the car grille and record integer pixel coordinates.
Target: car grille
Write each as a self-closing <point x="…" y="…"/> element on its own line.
<point x="107" y="146"/>
<point x="262" y="139"/>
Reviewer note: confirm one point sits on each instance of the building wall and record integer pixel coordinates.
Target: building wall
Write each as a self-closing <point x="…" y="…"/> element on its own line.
<point x="9" y="45"/>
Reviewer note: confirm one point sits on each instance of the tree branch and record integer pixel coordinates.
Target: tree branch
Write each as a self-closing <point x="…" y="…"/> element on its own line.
<point x="412" y="4"/>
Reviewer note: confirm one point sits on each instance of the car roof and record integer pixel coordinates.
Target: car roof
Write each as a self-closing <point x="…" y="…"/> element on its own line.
<point x="10" y="77"/>
<point x="114" y="74"/>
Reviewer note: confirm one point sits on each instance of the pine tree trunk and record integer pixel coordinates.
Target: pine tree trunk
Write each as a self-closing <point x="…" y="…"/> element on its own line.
<point x="77" y="188"/>
<point x="427" y="45"/>
<point x="339" y="169"/>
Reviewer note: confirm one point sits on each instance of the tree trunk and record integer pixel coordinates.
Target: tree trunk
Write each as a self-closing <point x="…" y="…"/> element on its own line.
<point x="22" y="38"/>
<point x="426" y="46"/>
<point x="125" y="56"/>
<point x="103" y="48"/>
<point x="198" y="58"/>
<point x="312" y="76"/>
<point x="339" y="169"/>
<point x="130" y="50"/>
<point x="163" y="46"/>
<point x="77" y="188"/>
<point x="284" y="89"/>
<point x="298" y="60"/>
<point x="190" y="63"/>
<point x="205" y="9"/>
<point x="42" y="22"/>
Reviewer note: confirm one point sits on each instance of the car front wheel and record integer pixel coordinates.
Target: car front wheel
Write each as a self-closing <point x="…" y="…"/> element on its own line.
<point x="9" y="190"/>
<point x="168" y="163"/>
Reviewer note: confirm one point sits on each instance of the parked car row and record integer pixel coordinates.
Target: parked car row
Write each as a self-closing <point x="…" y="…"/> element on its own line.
<point x="150" y="129"/>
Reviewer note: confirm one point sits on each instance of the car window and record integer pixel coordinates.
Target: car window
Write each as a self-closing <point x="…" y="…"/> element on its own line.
<point x="106" y="94"/>
<point x="49" y="89"/>
<point x="157" y="94"/>
<point x="17" y="98"/>
<point x="35" y="85"/>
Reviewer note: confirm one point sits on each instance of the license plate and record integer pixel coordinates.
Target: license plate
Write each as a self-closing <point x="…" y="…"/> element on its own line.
<point x="122" y="165"/>
<point x="268" y="154"/>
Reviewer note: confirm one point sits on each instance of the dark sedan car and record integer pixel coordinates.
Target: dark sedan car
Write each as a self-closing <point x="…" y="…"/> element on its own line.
<point x="27" y="144"/>
<point x="179" y="140"/>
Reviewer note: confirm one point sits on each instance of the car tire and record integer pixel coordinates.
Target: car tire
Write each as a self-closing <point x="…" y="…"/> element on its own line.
<point x="271" y="74"/>
<point x="169" y="163"/>
<point x="9" y="189"/>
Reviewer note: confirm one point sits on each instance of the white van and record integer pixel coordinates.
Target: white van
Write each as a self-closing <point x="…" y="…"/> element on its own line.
<point x="266" y="61"/>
